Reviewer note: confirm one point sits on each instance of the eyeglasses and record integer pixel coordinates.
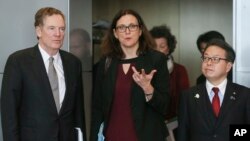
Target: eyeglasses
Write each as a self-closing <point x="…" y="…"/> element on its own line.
<point x="214" y="60"/>
<point x="131" y="27"/>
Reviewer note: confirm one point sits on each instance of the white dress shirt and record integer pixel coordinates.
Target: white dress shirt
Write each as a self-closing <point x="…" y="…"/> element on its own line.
<point x="59" y="70"/>
<point x="221" y="93"/>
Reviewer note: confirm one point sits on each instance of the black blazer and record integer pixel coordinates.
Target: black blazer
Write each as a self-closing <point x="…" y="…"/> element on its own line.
<point x="148" y="116"/>
<point x="197" y="121"/>
<point x="27" y="104"/>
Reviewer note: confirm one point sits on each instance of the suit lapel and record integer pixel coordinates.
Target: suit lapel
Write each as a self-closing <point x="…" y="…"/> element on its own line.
<point x="206" y="108"/>
<point x="41" y="74"/>
<point x="229" y="98"/>
<point x="69" y="82"/>
<point x="204" y="105"/>
<point x="111" y="74"/>
<point x="140" y="64"/>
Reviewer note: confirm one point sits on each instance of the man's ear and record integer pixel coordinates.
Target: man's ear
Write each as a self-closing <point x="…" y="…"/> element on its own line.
<point x="38" y="31"/>
<point x="229" y="66"/>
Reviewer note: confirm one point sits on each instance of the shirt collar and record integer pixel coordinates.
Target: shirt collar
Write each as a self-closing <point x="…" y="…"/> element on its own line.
<point x="46" y="56"/>
<point x="221" y="86"/>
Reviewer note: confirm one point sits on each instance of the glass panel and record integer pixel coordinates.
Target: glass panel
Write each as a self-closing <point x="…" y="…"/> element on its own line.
<point x="80" y="43"/>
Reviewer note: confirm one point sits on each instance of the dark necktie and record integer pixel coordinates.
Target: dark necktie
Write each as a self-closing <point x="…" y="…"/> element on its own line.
<point x="54" y="82"/>
<point x="216" y="101"/>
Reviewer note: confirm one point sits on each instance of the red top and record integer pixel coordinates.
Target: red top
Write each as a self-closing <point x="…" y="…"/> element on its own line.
<point x="121" y="126"/>
<point x="178" y="82"/>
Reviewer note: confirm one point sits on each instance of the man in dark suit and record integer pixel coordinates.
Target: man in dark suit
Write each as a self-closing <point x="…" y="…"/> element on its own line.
<point x="207" y="110"/>
<point x="33" y="108"/>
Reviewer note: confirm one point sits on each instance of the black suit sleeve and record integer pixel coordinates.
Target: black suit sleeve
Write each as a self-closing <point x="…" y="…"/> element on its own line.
<point x="160" y="82"/>
<point x="182" y="130"/>
<point x="79" y="112"/>
<point x="10" y="100"/>
<point x="96" y="106"/>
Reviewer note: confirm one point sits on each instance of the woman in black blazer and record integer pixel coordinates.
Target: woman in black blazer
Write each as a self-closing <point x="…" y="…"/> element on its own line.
<point x="131" y="84"/>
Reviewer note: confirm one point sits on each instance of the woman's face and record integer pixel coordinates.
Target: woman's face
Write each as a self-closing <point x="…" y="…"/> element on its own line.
<point x="128" y="31"/>
<point x="162" y="45"/>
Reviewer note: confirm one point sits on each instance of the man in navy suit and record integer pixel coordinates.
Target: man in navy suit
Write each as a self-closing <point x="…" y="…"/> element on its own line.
<point x="206" y="114"/>
<point x="29" y="110"/>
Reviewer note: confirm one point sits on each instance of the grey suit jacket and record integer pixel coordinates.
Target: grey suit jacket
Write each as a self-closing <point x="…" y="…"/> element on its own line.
<point x="27" y="104"/>
<point x="197" y="121"/>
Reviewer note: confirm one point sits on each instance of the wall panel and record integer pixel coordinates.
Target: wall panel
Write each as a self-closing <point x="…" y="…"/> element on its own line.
<point x="241" y="41"/>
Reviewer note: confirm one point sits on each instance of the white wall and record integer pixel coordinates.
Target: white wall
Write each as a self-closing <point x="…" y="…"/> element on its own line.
<point x="1" y="134"/>
<point x="241" y="41"/>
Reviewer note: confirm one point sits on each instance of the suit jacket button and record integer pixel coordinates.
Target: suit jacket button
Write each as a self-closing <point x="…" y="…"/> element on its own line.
<point x="214" y="135"/>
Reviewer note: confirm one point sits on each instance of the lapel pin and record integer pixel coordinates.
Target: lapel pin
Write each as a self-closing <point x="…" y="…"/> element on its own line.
<point x="234" y="93"/>
<point x="197" y="96"/>
<point x="232" y="97"/>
